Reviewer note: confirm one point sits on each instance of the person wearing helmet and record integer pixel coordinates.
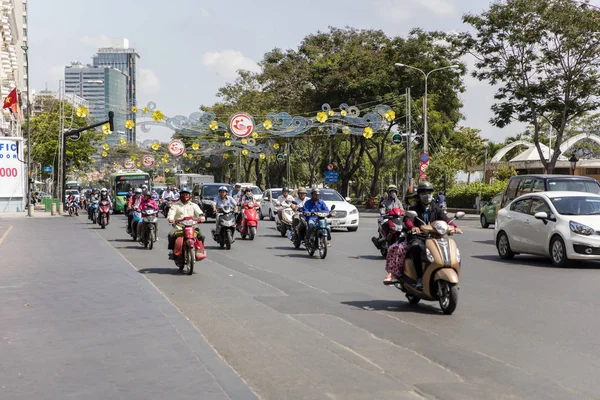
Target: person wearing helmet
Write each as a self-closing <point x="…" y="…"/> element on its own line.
<point x="285" y="198"/>
<point x="105" y="196"/>
<point x="411" y="198"/>
<point x="246" y="197"/>
<point x="167" y="196"/>
<point x="237" y="192"/>
<point x="223" y="200"/>
<point x="183" y="208"/>
<point x="440" y="198"/>
<point x="134" y="205"/>
<point x="315" y="204"/>
<point x="298" y="204"/>
<point x="93" y="196"/>
<point x="392" y="201"/>
<point x="427" y="212"/>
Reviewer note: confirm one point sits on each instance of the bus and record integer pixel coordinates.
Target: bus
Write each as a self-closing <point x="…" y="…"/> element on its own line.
<point x="121" y="182"/>
<point x="72" y="185"/>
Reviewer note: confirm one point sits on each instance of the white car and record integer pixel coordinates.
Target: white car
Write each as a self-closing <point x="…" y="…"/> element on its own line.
<point x="561" y="225"/>
<point x="256" y="192"/>
<point x="267" y="208"/>
<point x="346" y="215"/>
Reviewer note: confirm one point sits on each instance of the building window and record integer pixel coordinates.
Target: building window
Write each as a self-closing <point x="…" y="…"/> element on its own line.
<point x="592" y="171"/>
<point x="24" y="19"/>
<point x="24" y="32"/>
<point x="24" y="6"/>
<point x="25" y="70"/>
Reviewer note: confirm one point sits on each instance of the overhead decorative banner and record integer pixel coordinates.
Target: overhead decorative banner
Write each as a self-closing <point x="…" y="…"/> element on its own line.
<point x="241" y="125"/>
<point x="176" y="148"/>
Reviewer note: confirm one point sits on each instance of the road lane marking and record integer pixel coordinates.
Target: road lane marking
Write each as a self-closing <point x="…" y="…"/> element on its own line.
<point x="5" y="234"/>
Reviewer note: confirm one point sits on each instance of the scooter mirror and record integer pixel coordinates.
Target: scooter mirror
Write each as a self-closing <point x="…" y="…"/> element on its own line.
<point x="333" y="207"/>
<point x="412" y="214"/>
<point x="459" y="215"/>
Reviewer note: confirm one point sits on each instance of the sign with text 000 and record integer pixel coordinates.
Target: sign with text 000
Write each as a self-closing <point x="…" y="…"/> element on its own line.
<point x="12" y="174"/>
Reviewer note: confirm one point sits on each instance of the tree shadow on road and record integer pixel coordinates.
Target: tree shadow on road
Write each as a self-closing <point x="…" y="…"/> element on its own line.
<point x="394" y="306"/>
<point x="489" y="242"/>
<point x="296" y="255"/>
<point x="368" y="257"/>
<point x="161" y="271"/>
<point x="539" y="262"/>
<point x="121" y="240"/>
<point x="290" y="247"/>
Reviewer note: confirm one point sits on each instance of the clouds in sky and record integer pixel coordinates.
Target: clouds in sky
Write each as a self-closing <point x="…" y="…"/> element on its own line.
<point x="226" y="63"/>
<point x="406" y="10"/>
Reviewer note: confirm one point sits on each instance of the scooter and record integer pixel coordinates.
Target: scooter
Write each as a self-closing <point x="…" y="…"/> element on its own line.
<point x="284" y="224"/>
<point x="188" y="249"/>
<point x="146" y="230"/>
<point x="320" y="233"/>
<point x="223" y="234"/>
<point x="441" y="267"/>
<point x="166" y="206"/>
<point x="393" y="221"/>
<point x="72" y="209"/>
<point x="104" y="213"/>
<point x="94" y="206"/>
<point x="137" y="218"/>
<point x="248" y="224"/>
<point x="298" y="232"/>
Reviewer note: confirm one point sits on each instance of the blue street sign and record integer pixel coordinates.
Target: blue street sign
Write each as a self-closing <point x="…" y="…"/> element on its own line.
<point x="331" y="176"/>
<point x="424" y="158"/>
<point x="48" y="169"/>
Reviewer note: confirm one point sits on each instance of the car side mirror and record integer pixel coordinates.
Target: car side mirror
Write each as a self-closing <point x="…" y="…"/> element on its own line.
<point x="333" y="207"/>
<point x="459" y="215"/>
<point x="411" y="214"/>
<point x="348" y="199"/>
<point x="541" y="215"/>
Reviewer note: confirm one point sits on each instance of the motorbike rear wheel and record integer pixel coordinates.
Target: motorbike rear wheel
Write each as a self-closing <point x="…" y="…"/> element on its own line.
<point x="70" y="212"/>
<point x="228" y="240"/>
<point x="252" y="231"/>
<point x="151" y="239"/>
<point x="449" y="297"/>
<point x="323" y="247"/>
<point x="282" y="230"/>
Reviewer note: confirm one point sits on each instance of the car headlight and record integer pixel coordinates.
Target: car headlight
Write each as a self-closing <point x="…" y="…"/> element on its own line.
<point x="458" y="255"/>
<point x="355" y="211"/>
<point x="580" y="228"/>
<point x="429" y="256"/>
<point x="441" y="227"/>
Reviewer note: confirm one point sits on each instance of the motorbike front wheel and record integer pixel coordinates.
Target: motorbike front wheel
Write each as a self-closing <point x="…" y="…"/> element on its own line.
<point x="151" y="238"/>
<point x="448" y="297"/>
<point x="228" y="240"/>
<point x="190" y="259"/>
<point x="323" y="247"/>
<point x="103" y="222"/>
<point x="252" y="232"/>
<point x="283" y="230"/>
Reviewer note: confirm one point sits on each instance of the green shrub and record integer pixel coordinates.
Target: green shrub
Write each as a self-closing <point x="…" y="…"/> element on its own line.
<point x="464" y="196"/>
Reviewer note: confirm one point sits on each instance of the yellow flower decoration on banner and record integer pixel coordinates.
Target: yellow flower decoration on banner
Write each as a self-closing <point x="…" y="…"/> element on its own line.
<point x="199" y="158"/>
<point x="343" y="113"/>
<point x="134" y="109"/>
<point x="104" y="154"/>
<point x="276" y="146"/>
<point x="185" y="155"/>
<point x="104" y="137"/>
<point x="123" y="141"/>
<point x="346" y="130"/>
<point x="165" y="159"/>
<point x="139" y="164"/>
<point x="187" y="169"/>
<point x="262" y="156"/>
<point x="245" y="152"/>
<point x="129" y="124"/>
<point x="195" y="146"/>
<point x="81" y="112"/>
<point x="155" y="146"/>
<point x="268" y="125"/>
<point x="368" y="133"/>
<point x="106" y="129"/>
<point x="207" y="165"/>
<point x="93" y="161"/>
<point x="390" y="115"/>
<point x="255" y="135"/>
<point x="106" y="147"/>
<point x="167" y="170"/>
<point x="228" y="143"/>
<point x="157" y="116"/>
<point x="244" y="141"/>
<point x="132" y="158"/>
<point x="225" y="156"/>
<point x="214" y="125"/>
<point x="145" y="110"/>
<point x="321" y="117"/>
<point x="227" y="134"/>
<point x="331" y="113"/>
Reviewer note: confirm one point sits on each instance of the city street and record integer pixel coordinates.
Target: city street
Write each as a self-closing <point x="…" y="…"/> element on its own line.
<point x="291" y="326"/>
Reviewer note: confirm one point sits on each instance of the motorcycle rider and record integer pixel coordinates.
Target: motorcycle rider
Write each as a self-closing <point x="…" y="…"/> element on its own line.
<point x="93" y="196"/>
<point x="246" y="197"/>
<point x="427" y="211"/>
<point x="237" y="191"/>
<point x="299" y="204"/>
<point x="148" y="203"/>
<point x="166" y="196"/>
<point x="440" y="198"/>
<point x="72" y="199"/>
<point x="284" y="198"/>
<point x="223" y="200"/>
<point x="411" y="198"/>
<point x="385" y="206"/>
<point x="134" y="204"/>
<point x="315" y="204"/>
<point x="183" y="208"/>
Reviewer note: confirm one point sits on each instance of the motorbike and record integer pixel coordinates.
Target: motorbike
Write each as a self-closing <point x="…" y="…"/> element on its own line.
<point x="72" y="209"/>
<point x="248" y="224"/>
<point x="318" y="238"/>
<point x="284" y="224"/>
<point x="137" y="218"/>
<point x="103" y="213"/>
<point x="298" y="231"/>
<point x="393" y="221"/>
<point x="441" y="267"/>
<point x="166" y="206"/>
<point x="223" y="234"/>
<point x="188" y="249"/>
<point x="94" y="207"/>
<point x="146" y="230"/>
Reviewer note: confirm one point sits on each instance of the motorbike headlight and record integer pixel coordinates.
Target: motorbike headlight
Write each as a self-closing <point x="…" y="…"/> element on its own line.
<point x="429" y="256"/>
<point x="580" y="228"/>
<point x="441" y="227"/>
<point x="355" y="211"/>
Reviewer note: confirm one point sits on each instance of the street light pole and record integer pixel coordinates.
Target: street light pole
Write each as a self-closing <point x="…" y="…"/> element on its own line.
<point x="26" y="49"/>
<point x="426" y="76"/>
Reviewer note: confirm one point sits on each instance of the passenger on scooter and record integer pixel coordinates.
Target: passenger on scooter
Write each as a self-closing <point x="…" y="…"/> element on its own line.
<point x="315" y="204"/>
<point x="134" y="204"/>
<point x="427" y="212"/>
<point x="246" y="197"/>
<point x="105" y="196"/>
<point x="281" y="200"/>
<point x="386" y="206"/>
<point x="224" y="200"/>
<point x="183" y="208"/>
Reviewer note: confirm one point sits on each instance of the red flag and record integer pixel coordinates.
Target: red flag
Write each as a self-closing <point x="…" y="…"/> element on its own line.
<point x="11" y="101"/>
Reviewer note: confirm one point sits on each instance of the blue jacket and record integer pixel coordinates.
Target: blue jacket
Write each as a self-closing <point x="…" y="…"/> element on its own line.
<point x="311" y="206"/>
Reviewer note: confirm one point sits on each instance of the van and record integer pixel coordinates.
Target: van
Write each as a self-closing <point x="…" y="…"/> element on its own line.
<point x="523" y="184"/>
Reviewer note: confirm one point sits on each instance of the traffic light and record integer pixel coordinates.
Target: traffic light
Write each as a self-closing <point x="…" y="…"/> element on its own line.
<point x="111" y="122"/>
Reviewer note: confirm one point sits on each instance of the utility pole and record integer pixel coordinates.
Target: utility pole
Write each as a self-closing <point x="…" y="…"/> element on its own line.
<point x="484" y="170"/>
<point x="287" y="151"/>
<point x="408" y="139"/>
<point x="61" y="138"/>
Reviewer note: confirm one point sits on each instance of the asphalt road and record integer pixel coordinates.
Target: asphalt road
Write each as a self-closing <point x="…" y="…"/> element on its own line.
<point x="295" y="327"/>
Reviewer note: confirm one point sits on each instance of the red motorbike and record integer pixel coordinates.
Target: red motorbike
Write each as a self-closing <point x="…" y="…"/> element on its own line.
<point x="188" y="249"/>
<point x="103" y="213"/>
<point x="390" y="230"/>
<point x="248" y="224"/>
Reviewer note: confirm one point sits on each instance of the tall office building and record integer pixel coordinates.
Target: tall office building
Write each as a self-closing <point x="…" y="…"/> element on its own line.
<point x="105" y="89"/>
<point x="121" y="57"/>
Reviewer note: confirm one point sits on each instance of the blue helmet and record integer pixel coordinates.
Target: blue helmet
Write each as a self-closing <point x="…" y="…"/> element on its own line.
<point x="185" y="189"/>
<point x="224" y="188"/>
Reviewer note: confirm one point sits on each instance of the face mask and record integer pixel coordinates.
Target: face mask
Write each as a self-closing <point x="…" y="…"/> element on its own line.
<point x="393" y="195"/>
<point x="185" y="199"/>
<point x="426" y="198"/>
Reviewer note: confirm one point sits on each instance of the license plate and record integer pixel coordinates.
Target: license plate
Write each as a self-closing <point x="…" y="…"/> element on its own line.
<point x="336" y="222"/>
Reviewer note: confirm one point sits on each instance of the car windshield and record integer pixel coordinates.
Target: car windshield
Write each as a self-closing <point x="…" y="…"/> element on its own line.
<point x="213" y="190"/>
<point x="256" y="190"/>
<point x="331" y="195"/>
<point x="579" y="205"/>
<point x="73" y="192"/>
<point x="573" y="185"/>
<point x="275" y="194"/>
<point x="125" y="183"/>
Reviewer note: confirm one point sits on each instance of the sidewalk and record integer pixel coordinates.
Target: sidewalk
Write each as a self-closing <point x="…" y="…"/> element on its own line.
<point x="77" y="321"/>
<point x="36" y="214"/>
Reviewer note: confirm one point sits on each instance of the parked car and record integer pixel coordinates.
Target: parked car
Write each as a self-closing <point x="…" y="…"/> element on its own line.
<point x="523" y="184"/>
<point x="489" y="211"/>
<point x="561" y="225"/>
<point x="207" y="194"/>
<point x="267" y="206"/>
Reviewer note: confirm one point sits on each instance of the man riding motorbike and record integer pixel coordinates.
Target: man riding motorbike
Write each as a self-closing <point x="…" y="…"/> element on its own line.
<point x="284" y="198"/>
<point x="71" y="199"/>
<point x="183" y="208"/>
<point x="386" y="206"/>
<point x="223" y="200"/>
<point x="105" y="196"/>
<point x="134" y="203"/>
<point x="315" y="204"/>
<point x="237" y="192"/>
<point x="93" y="196"/>
<point x="246" y="197"/>
<point x="440" y="198"/>
<point x="300" y="201"/>
<point x="427" y="212"/>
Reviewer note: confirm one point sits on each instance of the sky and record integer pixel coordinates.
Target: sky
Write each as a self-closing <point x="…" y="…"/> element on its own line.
<point x="190" y="48"/>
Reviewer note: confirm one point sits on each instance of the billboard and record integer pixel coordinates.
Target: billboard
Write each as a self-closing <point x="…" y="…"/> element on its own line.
<point x="12" y="170"/>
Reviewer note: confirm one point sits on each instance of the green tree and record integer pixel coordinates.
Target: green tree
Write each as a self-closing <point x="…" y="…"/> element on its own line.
<point x="470" y="148"/>
<point x="543" y="56"/>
